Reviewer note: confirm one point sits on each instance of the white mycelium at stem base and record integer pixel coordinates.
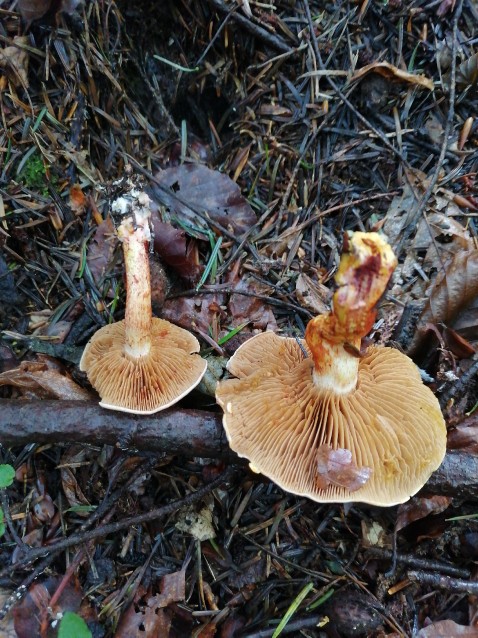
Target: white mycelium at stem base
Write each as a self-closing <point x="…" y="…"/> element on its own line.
<point x="135" y="236"/>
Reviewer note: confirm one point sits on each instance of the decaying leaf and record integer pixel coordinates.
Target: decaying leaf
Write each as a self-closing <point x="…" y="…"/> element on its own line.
<point x="447" y="629"/>
<point x="194" y="313"/>
<point x="149" y="614"/>
<point x="465" y="435"/>
<point x="453" y="290"/>
<point x="249" y="307"/>
<point x="100" y="250"/>
<point x="174" y="250"/>
<point x="391" y="72"/>
<point x="313" y="295"/>
<point x="336" y="467"/>
<point x="215" y="193"/>
<point x="467" y="72"/>
<point x="14" y="61"/>
<point x="33" y="9"/>
<point x="197" y="523"/>
<point x="43" y="379"/>
<point x="417" y="508"/>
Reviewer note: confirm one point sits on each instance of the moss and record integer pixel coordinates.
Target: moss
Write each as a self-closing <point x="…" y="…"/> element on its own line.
<point x="35" y="176"/>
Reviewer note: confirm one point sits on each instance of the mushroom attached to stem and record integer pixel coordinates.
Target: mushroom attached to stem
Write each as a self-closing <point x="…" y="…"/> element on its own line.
<point x="141" y="364"/>
<point x="337" y="425"/>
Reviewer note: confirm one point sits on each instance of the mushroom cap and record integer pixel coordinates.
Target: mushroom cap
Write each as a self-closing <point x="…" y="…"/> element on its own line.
<point x="278" y="419"/>
<point x="149" y="383"/>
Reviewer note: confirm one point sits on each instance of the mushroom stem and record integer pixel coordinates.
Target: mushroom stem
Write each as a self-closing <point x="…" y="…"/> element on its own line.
<point x="334" y="338"/>
<point x="135" y="236"/>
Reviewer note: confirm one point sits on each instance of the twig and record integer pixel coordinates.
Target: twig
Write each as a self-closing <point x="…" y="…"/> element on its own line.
<point x="254" y="29"/>
<point x="439" y="581"/>
<point x="113" y="528"/>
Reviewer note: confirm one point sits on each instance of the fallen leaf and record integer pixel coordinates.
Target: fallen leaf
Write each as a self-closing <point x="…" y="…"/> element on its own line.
<point x="445" y="7"/>
<point x="199" y="312"/>
<point x="174" y="250"/>
<point x="33" y="9"/>
<point x="464" y="436"/>
<point x="391" y="72"/>
<point x="312" y="295"/>
<point x="453" y="289"/>
<point x="467" y="72"/>
<point x="447" y="629"/>
<point x="148" y="616"/>
<point x="101" y="248"/>
<point x="336" y="467"/>
<point x="34" y="612"/>
<point x="197" y="523"/>
<point x="43" y="379"/>
<point x="215" y="193"/>
<point x="417" y="508"/>
<point x="14" y="60"/>
<point x="249" y="307"/>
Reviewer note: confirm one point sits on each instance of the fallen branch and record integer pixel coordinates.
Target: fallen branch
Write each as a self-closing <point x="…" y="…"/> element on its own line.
<point x="174" y="431"/>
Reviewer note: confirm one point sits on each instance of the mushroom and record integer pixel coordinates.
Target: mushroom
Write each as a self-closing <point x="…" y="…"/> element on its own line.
<point x="141" y="364"/>
<point x="325" y="421"/>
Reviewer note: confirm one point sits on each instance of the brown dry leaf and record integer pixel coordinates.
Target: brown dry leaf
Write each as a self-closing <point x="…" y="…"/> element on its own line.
<point x="417" y="508"/>
<point x="249" y="308"/>
<point x="34" y="612"/>
<point x="173" y="249"/>
<point x="336" y="467"/>
<point x="453" y="290"/>
<point x="312" y="295"/>
<point x="464" y="436"/>
<point x="44" y="379"/>
<point x="216" y="194"/>
<point x="199" y="312"/>
<point x="447" y="629"/>
<point x="14" y="61"/>
<point x="33" y="9"/>
<point x="101" y="248"/>
<point x="467" y="72"/>
<point x="391" y="72"/>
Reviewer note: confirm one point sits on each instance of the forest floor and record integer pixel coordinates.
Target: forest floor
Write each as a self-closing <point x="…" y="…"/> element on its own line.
<point x="262" y="133"/>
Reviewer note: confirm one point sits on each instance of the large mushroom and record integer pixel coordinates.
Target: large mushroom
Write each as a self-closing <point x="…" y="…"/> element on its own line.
<point x="141" y="364"/>
<point x="325" y="421"/>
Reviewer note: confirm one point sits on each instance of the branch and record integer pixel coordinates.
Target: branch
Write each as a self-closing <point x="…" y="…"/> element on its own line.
<point x="174" y="431"/>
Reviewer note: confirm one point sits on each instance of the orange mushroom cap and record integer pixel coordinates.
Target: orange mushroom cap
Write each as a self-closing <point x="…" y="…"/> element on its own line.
<point x="332" y="425"/>
<point x="145" y="384"/>
<point x="141" y="364"/>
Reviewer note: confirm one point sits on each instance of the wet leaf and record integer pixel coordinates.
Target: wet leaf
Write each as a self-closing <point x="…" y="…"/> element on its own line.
<point x="14" y="61"/>
<point x="72" y="625"/>
<point x="100" y="250"/>
<point x="7" y="475"/>
<point x="464" y="436"/>
<point x="8" y="289"/>
<point x="192" y="313"/>
<point x="452" y="291"/>
<point x="148" y="615"/>
<point x="391" y="72"/>
<point x="336" y="467"/>
<point x="447" y="629"/>
<point x="250" y="307"/>
<point x="33" y="9"/>
<point x="467" y="72"/>
<point x="174" y="250"/>
<point x="216" y="194"/>
<point x="34" y="612"/>
<point x="417" y="508"/>
<point x="43" y="379"/>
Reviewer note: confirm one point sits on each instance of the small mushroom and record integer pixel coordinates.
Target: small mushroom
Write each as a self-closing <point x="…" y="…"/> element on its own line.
<point x="334" y="425"/>
<point x="141" y="364"/>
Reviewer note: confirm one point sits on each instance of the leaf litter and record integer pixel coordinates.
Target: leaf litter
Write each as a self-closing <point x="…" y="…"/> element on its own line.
<point x="293" y="125"/>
